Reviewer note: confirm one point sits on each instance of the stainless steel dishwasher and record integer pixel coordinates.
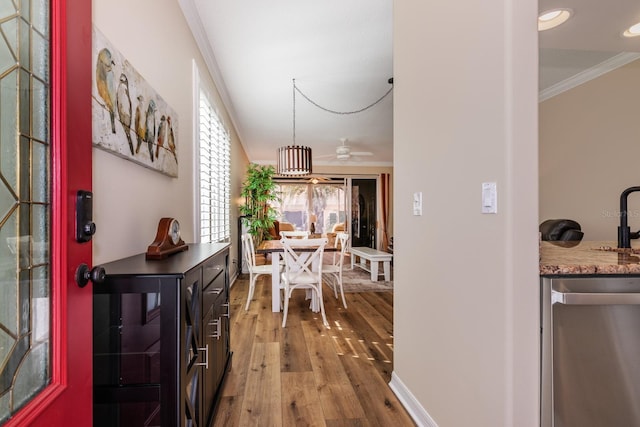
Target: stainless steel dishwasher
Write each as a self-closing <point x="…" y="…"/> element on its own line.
<point x="590" y="352"/>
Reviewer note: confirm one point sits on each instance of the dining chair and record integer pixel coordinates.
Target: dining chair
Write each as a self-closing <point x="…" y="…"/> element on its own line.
<point x="303" y="270"/>
<point x="255" y="271"/>
<point x="334" y="270"/>
<point x="298" y="234"/>
<point x="293" y="234"/>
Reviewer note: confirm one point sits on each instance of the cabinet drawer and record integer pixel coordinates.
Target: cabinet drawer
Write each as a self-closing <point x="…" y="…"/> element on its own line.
<point x="212" y="269"/>
<point x="215" y="289"/>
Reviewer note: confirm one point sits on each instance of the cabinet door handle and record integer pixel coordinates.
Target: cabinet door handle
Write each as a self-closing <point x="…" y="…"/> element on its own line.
<point x="206" y="357"/>
<point x="228" y="313"/>
<point x="216" y="291"/>
<point x="579" y="298"/>
<point x="218" y="332"/>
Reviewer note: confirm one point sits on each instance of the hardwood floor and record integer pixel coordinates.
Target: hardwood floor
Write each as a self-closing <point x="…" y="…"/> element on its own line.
<point x="306" y="374"/>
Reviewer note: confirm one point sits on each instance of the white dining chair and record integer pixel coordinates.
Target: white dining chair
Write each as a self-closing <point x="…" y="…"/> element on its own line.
<point x="334" y="270"/>
<point x="293" y="234"/>
<point x="298" y="234"/>
<point x="255" y="271"/>
<point x="303" y="270"/>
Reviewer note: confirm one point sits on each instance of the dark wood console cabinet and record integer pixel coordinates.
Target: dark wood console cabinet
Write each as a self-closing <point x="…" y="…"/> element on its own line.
<point x="161" y="339"/>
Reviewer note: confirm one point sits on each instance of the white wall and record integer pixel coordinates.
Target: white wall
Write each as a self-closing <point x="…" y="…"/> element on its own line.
<point x="466" y="284"/>
<point x="129" y="199"/>
<point x="589" y="153"/>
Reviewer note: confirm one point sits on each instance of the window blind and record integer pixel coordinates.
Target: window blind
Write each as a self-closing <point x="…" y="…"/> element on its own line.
<point x="215" y="182"/>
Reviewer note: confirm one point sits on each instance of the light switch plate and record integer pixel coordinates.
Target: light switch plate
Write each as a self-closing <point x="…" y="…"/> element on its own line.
<point x="489" y="198"/>
<point x="417" y="203"/>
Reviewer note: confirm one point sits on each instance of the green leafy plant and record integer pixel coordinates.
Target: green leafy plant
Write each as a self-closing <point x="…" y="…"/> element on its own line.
<point x="258" y="190"/>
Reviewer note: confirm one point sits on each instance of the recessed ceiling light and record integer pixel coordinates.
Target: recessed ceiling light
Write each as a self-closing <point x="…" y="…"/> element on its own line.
<point x="552" y="18"/>
<point x="632" y="31"/>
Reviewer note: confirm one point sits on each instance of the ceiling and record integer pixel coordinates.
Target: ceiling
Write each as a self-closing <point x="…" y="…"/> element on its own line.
<point x="589" y="44"/>
<point x="340" y="54"/>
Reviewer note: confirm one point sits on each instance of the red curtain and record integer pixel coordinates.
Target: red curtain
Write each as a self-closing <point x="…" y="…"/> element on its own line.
<point x="384" y="203"/>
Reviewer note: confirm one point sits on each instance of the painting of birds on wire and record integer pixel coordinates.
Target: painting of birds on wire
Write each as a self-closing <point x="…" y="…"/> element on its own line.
<point x="130" y="119"/>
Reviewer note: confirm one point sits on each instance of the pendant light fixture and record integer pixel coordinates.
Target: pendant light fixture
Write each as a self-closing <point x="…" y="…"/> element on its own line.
<point x="294" y="160"/>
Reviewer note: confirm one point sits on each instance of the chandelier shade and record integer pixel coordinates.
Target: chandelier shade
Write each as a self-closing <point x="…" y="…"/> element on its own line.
<point x="294" y="160"/>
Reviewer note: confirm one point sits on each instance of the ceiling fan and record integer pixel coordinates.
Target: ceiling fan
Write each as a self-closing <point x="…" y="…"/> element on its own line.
<point x="310" y="179"/>
<point x="344" y="153"/>
<point x="317" y="179"/>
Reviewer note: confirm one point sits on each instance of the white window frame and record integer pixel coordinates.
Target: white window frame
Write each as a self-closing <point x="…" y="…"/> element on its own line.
<point x="212" y="163"/>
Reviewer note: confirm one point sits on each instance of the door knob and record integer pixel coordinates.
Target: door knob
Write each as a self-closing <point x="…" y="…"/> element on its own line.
<point x="83" y="275"/>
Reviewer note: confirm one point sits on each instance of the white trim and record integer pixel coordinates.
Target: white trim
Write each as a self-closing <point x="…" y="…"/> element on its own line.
<point x="233" y="278"/>
<point x="588" y="74"/>
<point x="190" y="12"/>
<point x="196" y="145"/>
<point x="196" y="26"/>
<point x="350" y="163"/>
<point x="410" y="403"/>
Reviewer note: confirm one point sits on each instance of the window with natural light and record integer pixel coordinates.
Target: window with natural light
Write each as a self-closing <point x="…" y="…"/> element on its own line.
<point x="300" y="204"/>
<point x="214" y="170"/>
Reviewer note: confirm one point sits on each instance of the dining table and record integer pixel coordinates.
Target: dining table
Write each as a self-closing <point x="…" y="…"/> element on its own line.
<point x="275" y="249"/>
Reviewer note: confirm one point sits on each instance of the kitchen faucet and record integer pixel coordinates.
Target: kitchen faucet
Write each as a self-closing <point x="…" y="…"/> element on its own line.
<point x="624" y="233"/>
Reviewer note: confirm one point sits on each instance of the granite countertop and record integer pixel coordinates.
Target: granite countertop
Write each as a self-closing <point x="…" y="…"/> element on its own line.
<point x="588" y="257"/>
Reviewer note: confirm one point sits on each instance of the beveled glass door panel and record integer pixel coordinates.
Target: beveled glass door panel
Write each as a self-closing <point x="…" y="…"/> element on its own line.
<point x="24" y="203"/>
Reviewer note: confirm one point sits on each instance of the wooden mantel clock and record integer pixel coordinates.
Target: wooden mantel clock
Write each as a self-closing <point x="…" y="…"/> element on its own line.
<point x="167" y="240"/>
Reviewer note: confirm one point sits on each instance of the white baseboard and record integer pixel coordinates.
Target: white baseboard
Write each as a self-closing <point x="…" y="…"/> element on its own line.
<point x="232" y="280"/>
<point x="410" y="403"/>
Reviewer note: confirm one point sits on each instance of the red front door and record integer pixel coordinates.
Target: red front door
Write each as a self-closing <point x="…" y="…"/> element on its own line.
<point x="46" y="325"/>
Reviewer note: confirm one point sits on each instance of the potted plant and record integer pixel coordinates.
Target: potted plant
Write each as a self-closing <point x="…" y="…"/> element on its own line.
<point x="258" y="190"/>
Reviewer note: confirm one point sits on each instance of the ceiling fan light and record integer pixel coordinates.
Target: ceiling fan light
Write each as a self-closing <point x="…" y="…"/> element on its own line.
<point x="552" y="18"/>
<point x="632" y="31"/>
<point x="343" y="150"/>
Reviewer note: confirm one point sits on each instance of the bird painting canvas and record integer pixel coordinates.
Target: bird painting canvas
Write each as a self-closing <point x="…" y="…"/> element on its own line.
<point x="130" y="119"/>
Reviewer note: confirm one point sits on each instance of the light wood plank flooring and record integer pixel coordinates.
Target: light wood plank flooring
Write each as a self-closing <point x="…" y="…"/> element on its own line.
<point x="306" y="374"/>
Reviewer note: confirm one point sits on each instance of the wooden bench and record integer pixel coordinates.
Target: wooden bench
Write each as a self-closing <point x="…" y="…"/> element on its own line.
<point x="374" y="256"/>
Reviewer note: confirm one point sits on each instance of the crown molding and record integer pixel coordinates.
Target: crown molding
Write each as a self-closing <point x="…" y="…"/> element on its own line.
<point x="194" y="23"/>
<point x="346" y="163"/>
<point x="588" y="74"/>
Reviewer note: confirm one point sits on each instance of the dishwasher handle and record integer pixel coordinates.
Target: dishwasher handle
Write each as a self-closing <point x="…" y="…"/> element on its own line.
<point x="580" y="298"/>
